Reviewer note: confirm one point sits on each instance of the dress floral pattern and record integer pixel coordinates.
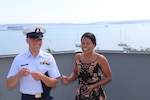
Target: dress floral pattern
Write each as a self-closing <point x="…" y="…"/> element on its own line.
<point x="89" y="74"/>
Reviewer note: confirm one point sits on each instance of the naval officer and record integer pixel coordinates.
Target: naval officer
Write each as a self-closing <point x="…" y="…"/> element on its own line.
<point x="29" y="68"/>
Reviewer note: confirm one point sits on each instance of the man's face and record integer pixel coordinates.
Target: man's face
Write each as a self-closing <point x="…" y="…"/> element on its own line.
<point x="34" y="43"/>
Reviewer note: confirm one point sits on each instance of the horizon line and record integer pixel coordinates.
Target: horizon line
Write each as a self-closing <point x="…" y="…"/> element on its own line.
<point x="78" y="23"/>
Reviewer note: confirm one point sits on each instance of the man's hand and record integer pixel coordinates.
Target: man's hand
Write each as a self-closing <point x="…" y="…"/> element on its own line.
<point x="37" y="75"/>
<point x="24" y="72"/>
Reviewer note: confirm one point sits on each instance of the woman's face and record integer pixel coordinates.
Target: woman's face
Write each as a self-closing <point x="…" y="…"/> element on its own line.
<point x="87" y="45"/>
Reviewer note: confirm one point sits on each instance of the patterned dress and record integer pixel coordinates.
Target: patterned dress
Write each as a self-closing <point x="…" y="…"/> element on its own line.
<point x="89" y="74"/>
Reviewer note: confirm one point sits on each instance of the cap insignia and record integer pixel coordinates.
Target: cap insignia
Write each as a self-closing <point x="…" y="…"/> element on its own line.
<point x="37" y="30"/>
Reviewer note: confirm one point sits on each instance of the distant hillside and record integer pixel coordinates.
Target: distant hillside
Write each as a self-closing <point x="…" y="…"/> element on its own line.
<point x="123" y="22"/>
<point x="95" y="23"/>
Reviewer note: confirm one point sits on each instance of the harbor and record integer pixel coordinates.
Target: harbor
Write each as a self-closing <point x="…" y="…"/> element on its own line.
<point x="129" y="35"/>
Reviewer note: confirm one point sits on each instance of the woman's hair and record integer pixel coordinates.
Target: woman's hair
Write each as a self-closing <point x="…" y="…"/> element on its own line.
<point x="89" y="35"/>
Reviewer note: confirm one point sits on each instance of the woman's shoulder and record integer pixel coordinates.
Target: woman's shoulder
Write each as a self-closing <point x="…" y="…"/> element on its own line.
<point x="100" y="56"/>
<point x="78" y="55"/>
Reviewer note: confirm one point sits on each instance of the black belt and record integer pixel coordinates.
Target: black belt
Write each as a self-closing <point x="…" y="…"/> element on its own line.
<point x="33" y="97"/>
<point x="39" y="95"/>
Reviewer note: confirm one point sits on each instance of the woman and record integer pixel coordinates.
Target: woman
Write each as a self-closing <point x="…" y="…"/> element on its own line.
<point x="91" y="69"/>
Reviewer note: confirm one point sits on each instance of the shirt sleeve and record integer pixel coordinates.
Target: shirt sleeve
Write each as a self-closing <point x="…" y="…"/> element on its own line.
<point x="54" y="71"/>
<point x="13" y="69"/>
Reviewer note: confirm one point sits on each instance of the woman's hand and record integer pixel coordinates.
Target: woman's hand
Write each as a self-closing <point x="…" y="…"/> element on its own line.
<point x="64" y="79"/>
<point x="89" y="89"/>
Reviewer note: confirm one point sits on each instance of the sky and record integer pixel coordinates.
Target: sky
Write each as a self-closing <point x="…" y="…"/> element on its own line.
<point x="72" y="11"/>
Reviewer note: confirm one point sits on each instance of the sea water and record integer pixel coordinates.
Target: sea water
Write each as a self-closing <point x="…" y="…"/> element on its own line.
<point x="64" y="37"/>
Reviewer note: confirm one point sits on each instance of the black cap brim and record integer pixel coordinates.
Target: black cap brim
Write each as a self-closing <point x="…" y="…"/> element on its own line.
<point x="35" y="35"/>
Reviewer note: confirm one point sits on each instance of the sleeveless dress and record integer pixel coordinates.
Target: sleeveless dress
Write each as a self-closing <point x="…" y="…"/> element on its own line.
<point x="89" y="74"/>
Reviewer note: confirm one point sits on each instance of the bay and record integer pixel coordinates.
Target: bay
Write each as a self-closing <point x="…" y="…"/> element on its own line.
<point x="64" y="37"/>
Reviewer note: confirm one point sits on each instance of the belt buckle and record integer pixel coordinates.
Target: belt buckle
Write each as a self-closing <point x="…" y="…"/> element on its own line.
<point x="39" y="95"/>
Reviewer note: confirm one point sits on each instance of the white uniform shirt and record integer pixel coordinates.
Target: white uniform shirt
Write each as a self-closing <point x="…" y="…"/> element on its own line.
<point x="42" y="63"/>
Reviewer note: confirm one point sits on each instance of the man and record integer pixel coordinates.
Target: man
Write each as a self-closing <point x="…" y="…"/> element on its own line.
<point x="29" y="68"/>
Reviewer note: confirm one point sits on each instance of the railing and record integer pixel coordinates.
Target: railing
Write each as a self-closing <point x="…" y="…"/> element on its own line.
<point x="130" y="76"/>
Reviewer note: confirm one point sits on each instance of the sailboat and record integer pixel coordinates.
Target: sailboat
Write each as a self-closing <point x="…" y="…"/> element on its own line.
<point x="122" y="44"/>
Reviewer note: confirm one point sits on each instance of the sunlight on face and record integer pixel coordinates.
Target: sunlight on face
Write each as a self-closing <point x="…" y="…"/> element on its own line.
<point x="34" y="43"/>
<point x="87" y="45"/>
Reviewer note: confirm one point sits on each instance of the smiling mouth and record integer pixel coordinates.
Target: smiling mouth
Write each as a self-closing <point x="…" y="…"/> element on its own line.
<point x="85" y="49"/>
